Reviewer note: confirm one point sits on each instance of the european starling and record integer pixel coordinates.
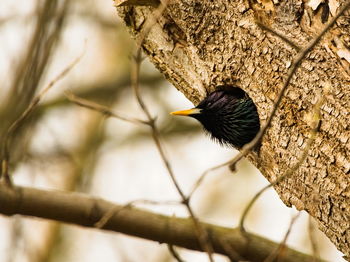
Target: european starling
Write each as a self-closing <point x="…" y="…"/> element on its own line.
<point x="228" y="115"/>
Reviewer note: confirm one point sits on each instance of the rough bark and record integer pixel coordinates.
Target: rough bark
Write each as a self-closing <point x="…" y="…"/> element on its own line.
<point x="199" y="44"/>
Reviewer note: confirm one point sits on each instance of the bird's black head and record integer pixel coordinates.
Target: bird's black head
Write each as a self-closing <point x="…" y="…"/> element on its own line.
<point x="229" y="116"/>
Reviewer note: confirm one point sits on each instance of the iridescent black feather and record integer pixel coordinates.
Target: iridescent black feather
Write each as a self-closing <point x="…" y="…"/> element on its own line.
<point x="229" y="116"/>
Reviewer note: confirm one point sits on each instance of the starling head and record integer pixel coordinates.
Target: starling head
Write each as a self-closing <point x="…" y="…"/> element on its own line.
<point x="228" y="115"/>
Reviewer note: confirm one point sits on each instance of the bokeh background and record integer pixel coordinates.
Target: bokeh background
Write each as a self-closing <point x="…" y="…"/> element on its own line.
<point x="66" y="147"/>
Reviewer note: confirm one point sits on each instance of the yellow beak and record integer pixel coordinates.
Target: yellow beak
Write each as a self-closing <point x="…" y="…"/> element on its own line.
<point x="188" y="112"/>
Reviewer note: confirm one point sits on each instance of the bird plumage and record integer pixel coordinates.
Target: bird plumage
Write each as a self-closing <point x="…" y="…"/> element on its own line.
<point x="228" y="115"/>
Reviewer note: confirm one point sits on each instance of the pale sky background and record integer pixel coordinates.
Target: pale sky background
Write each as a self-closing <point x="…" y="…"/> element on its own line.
<point x="129" y="170"/>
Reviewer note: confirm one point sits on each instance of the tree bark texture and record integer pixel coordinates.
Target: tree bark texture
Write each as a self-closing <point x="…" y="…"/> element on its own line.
<point x="200" y="44"/>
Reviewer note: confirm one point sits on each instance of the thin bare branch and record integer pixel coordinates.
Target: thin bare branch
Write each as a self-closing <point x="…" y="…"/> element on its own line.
<point x="108" y="215"/>
<point x="175" y="254"/>
<point x="285" y="39"/>
<point x="102" y="109"/>
<point x="313" y="240"/>
<point x="295" y="65"/>
<point x="278" y="255"/>
<point x="81" y="209"/>
<point x="19" y="121"/>
<point x="315" y="122"/>
<point x="202" y="234"/>
<point x="233" y="255"/>
<point x="202" y="177"/>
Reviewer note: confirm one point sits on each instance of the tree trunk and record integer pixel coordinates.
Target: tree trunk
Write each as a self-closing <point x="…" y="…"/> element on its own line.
<point x="200" y="44"/>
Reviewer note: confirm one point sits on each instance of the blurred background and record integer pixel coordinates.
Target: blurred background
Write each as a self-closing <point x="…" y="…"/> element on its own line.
<point x="65" y="147"/>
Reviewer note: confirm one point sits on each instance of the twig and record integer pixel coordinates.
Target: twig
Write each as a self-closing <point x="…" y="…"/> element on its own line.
<point x="295" y="65"/>
<point x="175" y="254"/>
<point x="153" y="202"/>
<point x="233" y="255"/>
<point x="16" y="234"/>
<point x="202" y="177"/>
<point x="201" y="232"/>
<point x="101" y="223"/>
<point x="315" y="122"/>
<point x="102" y="109"/>
<point x="108" y="215"/>
<point x="280" y="251"/>
<point x="285" y="39"/>
<point x="314" y="247"/>
<point x="19" y="121"/>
